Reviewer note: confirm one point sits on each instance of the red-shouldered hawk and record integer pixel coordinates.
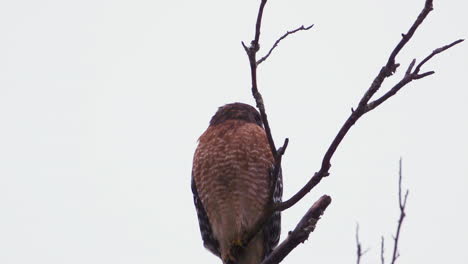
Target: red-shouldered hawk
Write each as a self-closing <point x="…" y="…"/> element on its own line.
<point x="231" y="185"/>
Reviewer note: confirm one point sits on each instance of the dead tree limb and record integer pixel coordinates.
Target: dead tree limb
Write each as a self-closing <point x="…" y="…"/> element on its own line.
<point x="301" y="232"/>
<point x="364" y="105"/>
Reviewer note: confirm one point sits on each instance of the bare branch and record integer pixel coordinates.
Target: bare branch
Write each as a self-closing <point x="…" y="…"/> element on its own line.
<point x="382" y="250"/>
<point x="283" y="148"/>
<point x="277" y="154"/>
<point x="406" y="37"/>
<point x="279" y="40"/>
<point x="435" y="52"/>
<point x="390" y="67"/>
<point x="422" y="75"/>
<point x="359" y="252"/>
<point x="410" y="76"/>
<point x="252" y="54"/>
<point x="258" y="25"/>
<point x="364" y="106"/>
<point x="301" y="232"/>
<point x="402" y="204"/>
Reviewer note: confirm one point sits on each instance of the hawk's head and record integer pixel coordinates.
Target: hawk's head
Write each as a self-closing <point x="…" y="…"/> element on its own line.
<point x="236" y="111"/>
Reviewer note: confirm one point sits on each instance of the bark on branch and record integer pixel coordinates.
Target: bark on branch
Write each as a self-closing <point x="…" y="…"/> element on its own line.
<point x="301" y="232"/>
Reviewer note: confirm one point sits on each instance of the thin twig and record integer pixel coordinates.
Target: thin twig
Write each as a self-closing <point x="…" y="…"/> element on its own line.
<point x="402" y="204"/>
<point x="279" y="40"/>
<point x="359" y="252"/>
<point x="410" y="76"/>
<point x="382" y="250"/>
<point x="435" y="52"/>
<point x="300" y="233"/>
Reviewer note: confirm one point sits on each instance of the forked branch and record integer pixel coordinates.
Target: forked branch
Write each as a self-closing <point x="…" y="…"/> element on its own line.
<point x="364" y="106"/>
<point x="359" y="251"/>
<point x="410" y="75"/>
<point x="402" y="204"/>
<point x="252" y="55"/>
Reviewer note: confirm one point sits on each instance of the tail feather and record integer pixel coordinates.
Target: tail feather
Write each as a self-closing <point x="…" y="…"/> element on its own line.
<point x="253" y="253"/>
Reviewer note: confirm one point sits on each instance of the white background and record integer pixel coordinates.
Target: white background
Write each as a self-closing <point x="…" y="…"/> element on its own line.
<point x="102" y="102"/>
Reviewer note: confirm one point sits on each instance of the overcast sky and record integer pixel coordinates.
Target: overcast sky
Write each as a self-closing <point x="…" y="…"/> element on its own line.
<point x="102" y="103"/>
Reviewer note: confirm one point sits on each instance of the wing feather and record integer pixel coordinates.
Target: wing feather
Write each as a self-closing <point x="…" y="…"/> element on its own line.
<point x="272" y="229"/>
<point x="205" y="227"/>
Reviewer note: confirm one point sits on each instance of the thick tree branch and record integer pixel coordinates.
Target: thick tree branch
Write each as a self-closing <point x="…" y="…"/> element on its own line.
<point x="300" y="233"/>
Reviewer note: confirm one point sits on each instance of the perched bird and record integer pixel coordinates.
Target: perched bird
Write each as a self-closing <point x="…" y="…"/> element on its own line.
<point x="232" y="185"/>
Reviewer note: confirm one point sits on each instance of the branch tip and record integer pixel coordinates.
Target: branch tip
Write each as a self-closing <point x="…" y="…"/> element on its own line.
<point x="282" y="149"/>
<point x="422" y="75"/>
<point x="280" y="39"/>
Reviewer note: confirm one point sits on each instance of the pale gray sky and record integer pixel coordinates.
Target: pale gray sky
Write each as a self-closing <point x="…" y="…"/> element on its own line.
<point x="102" y="102"/>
